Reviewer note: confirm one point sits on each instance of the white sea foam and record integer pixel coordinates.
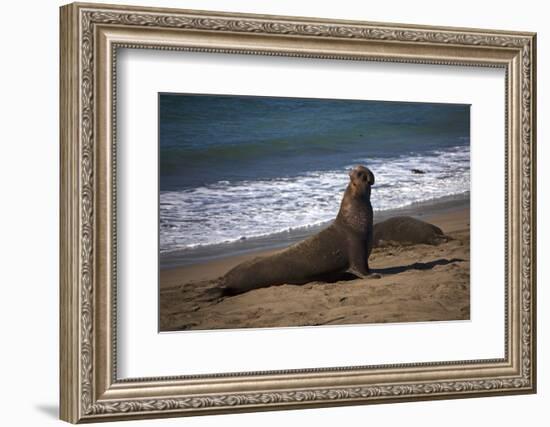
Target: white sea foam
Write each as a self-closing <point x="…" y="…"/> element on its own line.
<point x="227" y="212"/>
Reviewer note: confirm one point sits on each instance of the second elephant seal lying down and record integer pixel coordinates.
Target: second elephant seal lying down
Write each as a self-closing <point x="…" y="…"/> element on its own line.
<point x="407" y="230"/>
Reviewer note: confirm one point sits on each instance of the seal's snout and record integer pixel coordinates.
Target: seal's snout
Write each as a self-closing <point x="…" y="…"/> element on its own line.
<point x="361" y="174"/>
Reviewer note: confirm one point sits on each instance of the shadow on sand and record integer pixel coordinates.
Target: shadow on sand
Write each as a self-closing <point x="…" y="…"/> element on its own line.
<point x="338" y="277"/>
<point x="416" y="266"/>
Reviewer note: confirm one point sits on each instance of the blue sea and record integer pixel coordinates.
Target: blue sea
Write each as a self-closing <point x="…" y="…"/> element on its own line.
<point x="239" y="168"/>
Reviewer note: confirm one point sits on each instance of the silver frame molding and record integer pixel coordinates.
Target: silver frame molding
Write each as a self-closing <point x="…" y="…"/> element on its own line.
<point x="90" y="37"/>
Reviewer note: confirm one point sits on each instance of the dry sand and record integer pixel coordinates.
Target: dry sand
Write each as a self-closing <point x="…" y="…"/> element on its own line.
<point x="419" y="283"/>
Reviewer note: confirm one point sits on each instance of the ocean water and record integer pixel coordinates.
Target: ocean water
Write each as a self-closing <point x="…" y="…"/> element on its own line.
<point x="235" y="169"/>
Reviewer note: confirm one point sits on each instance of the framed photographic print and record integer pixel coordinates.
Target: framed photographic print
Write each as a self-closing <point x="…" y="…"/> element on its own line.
<point x="265" y="212"/>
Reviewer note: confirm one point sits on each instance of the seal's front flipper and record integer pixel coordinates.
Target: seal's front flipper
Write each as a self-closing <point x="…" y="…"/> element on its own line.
<point x="367" y="275"/>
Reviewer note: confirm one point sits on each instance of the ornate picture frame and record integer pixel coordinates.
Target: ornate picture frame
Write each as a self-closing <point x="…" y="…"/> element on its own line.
<point x="90" y="37"/>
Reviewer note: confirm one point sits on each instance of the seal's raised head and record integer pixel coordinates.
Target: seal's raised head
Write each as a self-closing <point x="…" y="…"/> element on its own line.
<point x="361" y="179"/>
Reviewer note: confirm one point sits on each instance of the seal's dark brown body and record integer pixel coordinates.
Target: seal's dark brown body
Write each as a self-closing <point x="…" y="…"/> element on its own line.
<point x="343" y="246"/>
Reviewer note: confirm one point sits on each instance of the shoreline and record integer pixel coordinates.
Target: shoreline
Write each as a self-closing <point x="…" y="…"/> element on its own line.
<point x="266" y="244"/>
<point x="418" y="283"/>
<point x="450" y="221"/>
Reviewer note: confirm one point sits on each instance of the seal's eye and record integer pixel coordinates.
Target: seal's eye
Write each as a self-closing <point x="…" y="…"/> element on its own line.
<point x="361" y="176"/>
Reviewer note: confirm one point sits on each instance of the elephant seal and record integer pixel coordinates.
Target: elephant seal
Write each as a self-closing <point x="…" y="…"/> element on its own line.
<point x="407" y="230"/>
<point x="343" y="246"/>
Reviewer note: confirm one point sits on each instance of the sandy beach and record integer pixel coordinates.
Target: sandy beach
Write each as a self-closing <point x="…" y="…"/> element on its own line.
<point x="419" y="283"/>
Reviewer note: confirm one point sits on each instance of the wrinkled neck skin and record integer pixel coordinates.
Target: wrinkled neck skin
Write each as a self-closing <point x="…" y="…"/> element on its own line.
<point x="355" y="209"/>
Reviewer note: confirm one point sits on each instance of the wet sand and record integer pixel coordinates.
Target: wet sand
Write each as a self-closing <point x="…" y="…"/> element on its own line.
<point x="418" y="283"/>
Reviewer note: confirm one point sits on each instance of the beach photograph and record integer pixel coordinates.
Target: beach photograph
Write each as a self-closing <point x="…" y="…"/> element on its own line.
<point x="293" y="212"/>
